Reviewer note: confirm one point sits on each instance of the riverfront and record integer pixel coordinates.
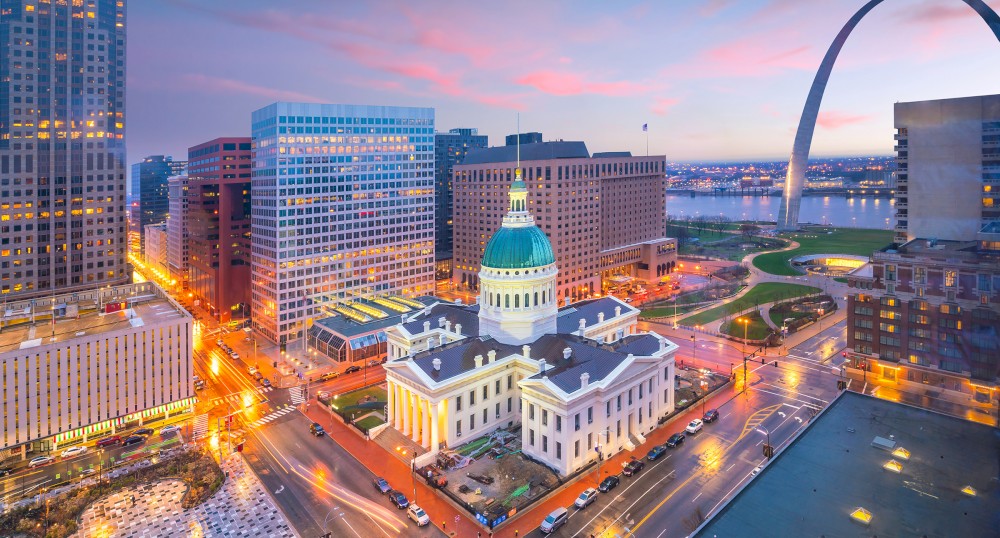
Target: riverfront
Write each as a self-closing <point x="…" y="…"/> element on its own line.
<point x="860" y="212"/>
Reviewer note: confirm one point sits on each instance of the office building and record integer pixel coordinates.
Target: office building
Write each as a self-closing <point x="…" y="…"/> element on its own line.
<point x="523" y="138"/>
<point x="575" y="379"/>
<point x="62" y="146"/>
<point x="605" y="216"/>
<point x="449" y="149"/>
<point x="177" y="231"/>
<point x="343" y="208"/>
<point x="149" y="182"/>
<point x="155" y="253"/>
<point x="948" y="167"/>
<point x="218" y="226"/>
<point x="82" y="365"/>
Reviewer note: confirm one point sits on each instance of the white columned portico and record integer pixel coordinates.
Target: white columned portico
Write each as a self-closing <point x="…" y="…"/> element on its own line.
<point x="425" y="433"/>
<point x="435" y="439"/>
<point x="390" y="407"/>
<point x="405" y="410"/>
<point x="415" y="418"/>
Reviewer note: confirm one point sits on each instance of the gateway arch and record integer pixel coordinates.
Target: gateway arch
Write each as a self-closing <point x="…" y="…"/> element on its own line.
<point x="791" y="197"/>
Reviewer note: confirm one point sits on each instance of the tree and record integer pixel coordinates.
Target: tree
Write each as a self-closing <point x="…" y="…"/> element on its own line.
<point x="749" y="230"/>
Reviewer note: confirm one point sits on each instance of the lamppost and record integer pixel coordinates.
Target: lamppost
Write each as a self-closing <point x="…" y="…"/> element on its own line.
<point x="745" y="322"/>
<point x="600" y="452"/>
<point x="768" y="449"/>
<point x="694" y="349"/>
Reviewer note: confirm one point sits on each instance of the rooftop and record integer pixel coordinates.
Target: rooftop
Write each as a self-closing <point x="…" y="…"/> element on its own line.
<point x="347" y="327"/>
<point x="952" y="251"/>
<point x="539" y="151"/>
<point x="570" y="316"/>
<point x="832" y="469"/>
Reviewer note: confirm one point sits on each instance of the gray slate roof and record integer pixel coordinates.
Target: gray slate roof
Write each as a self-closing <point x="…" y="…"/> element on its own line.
<point x="540" y="151"/>
<point x="466" y="315"/>
<point x="569" y="316"/>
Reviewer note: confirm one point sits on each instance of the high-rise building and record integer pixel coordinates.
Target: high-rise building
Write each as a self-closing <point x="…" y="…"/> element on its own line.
<point x="605" y="216"/>
<point x="62" y="146"/>
<point x="177" y="231"/>
<point x="155" y="253"/>
<point x="218" y="226"/>
<point x="948" y="167"/>
<point x="449" y="149"/>
<point x="343" y="207"/>
<point x="523" y="138"/>
<point x="150" y="196"/>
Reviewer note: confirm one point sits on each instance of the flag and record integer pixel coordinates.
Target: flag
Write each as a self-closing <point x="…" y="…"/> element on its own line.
<point x="645" y="127"/>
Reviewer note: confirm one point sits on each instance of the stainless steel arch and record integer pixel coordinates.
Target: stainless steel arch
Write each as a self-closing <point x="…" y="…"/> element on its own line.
<point x="791" y="198"/>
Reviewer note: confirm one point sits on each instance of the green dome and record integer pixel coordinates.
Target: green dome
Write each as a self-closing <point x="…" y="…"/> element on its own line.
<point x="518" y="248"/>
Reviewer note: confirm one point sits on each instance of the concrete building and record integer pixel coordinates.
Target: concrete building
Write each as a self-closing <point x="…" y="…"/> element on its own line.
<point x="581" y="381"/>
<point x="177" y="231"/>
<point x="605" y="216"/>
<point x="948" y="167"/>
<point x="523" y="139"/>
<point x="84" y="364"/>
<point x="149" y="184"/>
<point x="155" y="253"/>
<point x="219" y="226"/>
<point x="62" y="146"/>
<point x="343" y="208"/>
<point x="449" y="149"/>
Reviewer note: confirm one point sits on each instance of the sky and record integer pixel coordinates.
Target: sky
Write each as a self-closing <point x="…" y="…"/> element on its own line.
<point x="713" y="79"/>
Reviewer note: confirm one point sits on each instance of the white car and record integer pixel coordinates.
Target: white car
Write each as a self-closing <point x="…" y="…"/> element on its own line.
<point x="418" y="515"/>
<point x="40" y="460"/>
<point x="756" y="471"/>
<point x="73" y="451"/>
<point x="251" y="370"/>
<point x="234" y="355"/>
<point x="695" y="426"/>
<point x="169" y="429"/>
<point x="588" y="496"/>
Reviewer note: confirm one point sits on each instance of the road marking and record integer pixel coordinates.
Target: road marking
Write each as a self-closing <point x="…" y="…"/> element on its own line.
<point x="696" y="497"/>
<point x="730" y="468"/>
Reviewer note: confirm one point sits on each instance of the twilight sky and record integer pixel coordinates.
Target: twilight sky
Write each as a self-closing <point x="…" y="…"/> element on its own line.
<point x="714" y="79"/>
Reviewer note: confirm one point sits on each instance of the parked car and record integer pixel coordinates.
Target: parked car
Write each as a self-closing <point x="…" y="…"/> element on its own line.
<point x="200" y="384"/>
<point x="656" y="452"/>
<point x="374" y="362"/>
<point x="257" y="375"/>
<point x="675" y="440"/>
<point x="398" y="499"/>
<point x="418" y="515"/>
<point x="329" y="375"/>
<point x="144" y="431"/>
<point x="317" y="429"/>
<point x="628" y="299"/>
<point x="218" y="342"/>
<point x="352" y="369"/>
<point x="633" y="467"/>
<point x="88" y="471"/>
<point x="5" y="471"/>
<point x="108" y="441"/>
<point x="710" y="416"/>
<point x="169" y="429"/>
<point x="756" y="471"/>
<point x="134" y="440"/>
<point x="73" y="451"/>
<point x="608" y="484"/>
<point x="553" y="521"/>
<point x="235" y="355"/>
<point x="39" y="461"/>
<point x="695" y="426"/>
<point x="588" y="496"/>
<point x="265" y="382"/>
<point x="251" y="370"/>
<point x="381" y="485"/>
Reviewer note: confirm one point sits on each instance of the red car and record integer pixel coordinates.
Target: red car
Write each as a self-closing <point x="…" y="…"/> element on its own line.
<point x="109" y="441"/>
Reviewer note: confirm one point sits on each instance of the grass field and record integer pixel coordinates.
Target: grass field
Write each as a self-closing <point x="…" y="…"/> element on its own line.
<point x="368" y="423"/>
<point x="765" y="292"/>
<point x="757" y="328"/>
<point x="840" y="241"/>
<point x="347" y="404"/>
<point x="665" y="311"/>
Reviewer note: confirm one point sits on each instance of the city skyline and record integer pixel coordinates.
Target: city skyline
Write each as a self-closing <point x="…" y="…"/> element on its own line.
<point x="728" y="80"/>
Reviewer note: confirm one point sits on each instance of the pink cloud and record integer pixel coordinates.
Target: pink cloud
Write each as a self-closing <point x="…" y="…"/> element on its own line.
<point x="768" y="109"/>
<point x="564" y="83"/>
<point x="834" y="119"/>
<point x="756" y="55"/>
<point x="227" y="85"/>
<point x="663" y="104"/>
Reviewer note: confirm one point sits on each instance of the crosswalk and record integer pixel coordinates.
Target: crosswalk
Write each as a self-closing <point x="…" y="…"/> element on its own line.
<point x="236" y="398"/>
<point x="296" y="394"/>
<point x="273" y="415"/>
<point x="200" y="427"/>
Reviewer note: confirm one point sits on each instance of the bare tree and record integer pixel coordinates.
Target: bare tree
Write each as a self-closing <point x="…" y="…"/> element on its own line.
<point x="749" y="230"/>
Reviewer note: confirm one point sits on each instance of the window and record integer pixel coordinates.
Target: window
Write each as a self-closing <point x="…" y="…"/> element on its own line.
<point x="498" y="387"/>
<point x="590" y="441"/>
<point x="619" y="429"/>
<point x="890" y="273"/>
<point x="531" y="437"/>
<point x="576" y="448"/>
<point x="510" y="405"/>
<point x="889" y="301"/>
<point x="609" y="410"/>
<point x="619" y="402"/>
<point x="458" y="428"/>
<point x="984" y="283"/>
<point x="949" y="278"/>
<point x="545" y="417"/>
<point x="510" y="382"/>
<point x="640" y="391"/>
<point x="558" y="423"/>
<point x="590" y="415"/>
<point x="472" y="422"/>
<point x="531" y="411"/>
<point x="472" y="397"/>
<point x="920" y="275"/>
<point x="458" y="403"/>
<point x="951" y="309"/>
<point x="486" y="418"/>
<point x="558" y="450"/>
<point x="576" y="422"/>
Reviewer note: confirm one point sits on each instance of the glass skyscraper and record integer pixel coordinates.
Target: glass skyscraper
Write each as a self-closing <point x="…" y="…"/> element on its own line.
<point x="449" y="149"/>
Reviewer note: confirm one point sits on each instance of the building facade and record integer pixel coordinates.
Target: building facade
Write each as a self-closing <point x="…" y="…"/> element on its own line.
<point x="523" y="138"/>
<point x="343" y="208"/>
<point x="63" y="214"/>
<point x="219" y="226"/>
<point x="155" y="253"/>
<point x="85" y="364"/>
<point x="605" y="216"/>
<point x="177" y="231"/>
<point x="449" y="149"/>
<point x="150" y="191"/>
<point x="582" y="381"/>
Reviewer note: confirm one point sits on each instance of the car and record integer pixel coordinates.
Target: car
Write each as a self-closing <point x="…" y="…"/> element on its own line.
<point x="88" y="471"/>
<point x="675" y="440"/>
<point x="251" y="370"/>
<point x="352" y="369"/>
<point x="628" y="299"/>
<point x="108" y="441"/>
<point x="710" y="416"/>
<point x="73" y="451"/>
<point x="656" y="452"/>
<point x="756" y="471"/>
<point x="5" y="471"/>
<point x="695" y="426"/>
<point x="374" y="362"/>
<point x="257" y="375"/>
<point x="144" y="431"/>
<point x="588" y="496"/>
<point x="219" y="342"/>
<point x="199" y="385"/>
<point x="418" y="515"/>
<point x="39" y="461"/>
<point x="398" y="499"/>
<point x="608" y="484"/>
<point x="633" y="467"/>
<point x="265" y="382"/>
<point x="134" y="440"/>
<point x="323" y="395"/>
<point x="329" y="375"/>
<point x="235" y="355"/>
<point x="169" y="429"/>
<point x="553" y="521"/>
<point x="317" y="429"/>
<point x="381" y="485"/>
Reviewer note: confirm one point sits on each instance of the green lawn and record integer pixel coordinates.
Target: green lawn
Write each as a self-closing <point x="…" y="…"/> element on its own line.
<point x="757" y="328"/>
<point x="765" y="292"/>
<point x="854" y="241"/>
<point x="368" y="423"/>
<point x="778" y="318"/>
<point x="665" y="311"/>
<point x="347" y="404"/>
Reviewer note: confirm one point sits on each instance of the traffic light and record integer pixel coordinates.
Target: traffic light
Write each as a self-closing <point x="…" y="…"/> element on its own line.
<point x="775" y="364"/>
<point x="841" y="385"/>
<point x="239" y="447"/>
<point x="762" y="360"/>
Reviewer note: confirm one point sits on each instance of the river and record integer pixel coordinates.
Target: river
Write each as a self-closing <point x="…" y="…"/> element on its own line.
<point x="836" y="210"/>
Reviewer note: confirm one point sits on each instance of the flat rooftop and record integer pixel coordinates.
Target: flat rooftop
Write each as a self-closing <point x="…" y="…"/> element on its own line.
<point x="154" y="310"/>
<point x="812" y="487"/>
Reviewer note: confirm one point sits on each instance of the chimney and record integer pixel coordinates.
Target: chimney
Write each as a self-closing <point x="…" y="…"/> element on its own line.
<point x="526" y="351"/>
<point x="437" y="364"/>
<point x="541" y="365"/>
<point x="600" y="340"/>
<point x="600" y="317"/>
<point x="583" y="326"/>
<point x="567" y="352"/>
<point x="618" y="311"/>
<point x="447" y="326"/>
<point x="427" y="326"/>
<point x="441" y="321"/>
<point x="630" y="357"/>
<point x="584" y="380"/>
<point x="492" y="354"/>
<point x="479" y="361"/>
<point x="458" y="302"/>
<point x="458" y="328"/>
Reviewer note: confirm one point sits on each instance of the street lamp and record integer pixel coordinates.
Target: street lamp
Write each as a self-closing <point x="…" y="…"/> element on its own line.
<point x="600" y="452"/>
<point x="768" y="449"/>
<point x="745" y="323"/>
<point x="694" y="349"/>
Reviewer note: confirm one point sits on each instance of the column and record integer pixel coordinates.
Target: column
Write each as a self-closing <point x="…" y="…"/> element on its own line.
<point x="414" y="418"/>
<point x="425" y="432"/>
<point x="405" y="410"/>
<point x="435" y="440"/>
<point x="390" y="409"/>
